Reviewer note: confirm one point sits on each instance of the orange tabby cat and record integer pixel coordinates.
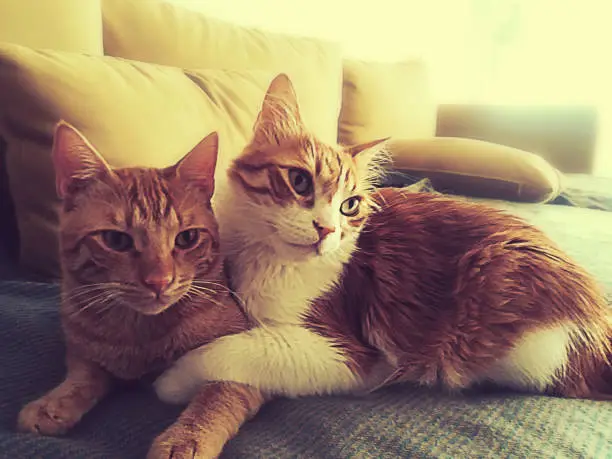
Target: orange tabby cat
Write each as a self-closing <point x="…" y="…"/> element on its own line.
<point x="142" y="283"/>
<point x="352" y="289"/>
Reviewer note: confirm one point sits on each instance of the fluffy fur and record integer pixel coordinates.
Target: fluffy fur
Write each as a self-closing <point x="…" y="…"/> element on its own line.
<point x="409" y="287"/>
<point x="142" y="283"/>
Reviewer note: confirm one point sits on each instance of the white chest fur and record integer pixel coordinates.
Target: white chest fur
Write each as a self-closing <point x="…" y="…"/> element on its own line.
<point x="275" y="291"/>
<point x="273" y="287"/>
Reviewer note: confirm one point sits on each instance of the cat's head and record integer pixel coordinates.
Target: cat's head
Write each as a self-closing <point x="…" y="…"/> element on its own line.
<point x="301" y="196"/>
<point x="141" y="238"/>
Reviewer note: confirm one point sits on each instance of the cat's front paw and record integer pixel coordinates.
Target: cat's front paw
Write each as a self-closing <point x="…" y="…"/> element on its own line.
<point x="176" y="386"/>
<point x="184" y="442"/>
<point x="48" y="416"/>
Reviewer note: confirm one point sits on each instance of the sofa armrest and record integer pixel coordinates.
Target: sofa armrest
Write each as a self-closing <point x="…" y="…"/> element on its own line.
<point x="563" y="135"/>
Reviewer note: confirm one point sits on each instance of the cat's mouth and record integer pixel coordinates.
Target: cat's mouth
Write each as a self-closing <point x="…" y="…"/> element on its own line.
<point x="304" y="246"/>
<point x="153" y="307"/>
<point x="307" y="248"/>
<point x="156" y="304"/>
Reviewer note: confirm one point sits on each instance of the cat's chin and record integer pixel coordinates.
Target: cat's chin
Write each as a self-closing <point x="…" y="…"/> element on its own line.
<point x="152" y="309"/>
<point x="299" y="252"/>
<point x="303" y="248"/>
<point x="155" y="306"/>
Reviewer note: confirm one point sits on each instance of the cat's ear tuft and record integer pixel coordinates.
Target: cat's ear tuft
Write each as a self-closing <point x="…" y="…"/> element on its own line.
<point x="74" y="158"/>
<point x="365" y="153"/>
<point x="368" y="147"/>
<point x="370" y="158"/>
<point x="281" y="95"/>
<point x="198" y="166"/>
<point x="280" y="111"/>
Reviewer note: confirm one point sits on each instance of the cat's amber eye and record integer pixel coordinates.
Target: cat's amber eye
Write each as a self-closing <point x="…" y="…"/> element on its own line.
<point x="117" y="240"/>
<point x="301" y="181"/>
<point x="187" y="239"/>
<point x="350" y="206"/>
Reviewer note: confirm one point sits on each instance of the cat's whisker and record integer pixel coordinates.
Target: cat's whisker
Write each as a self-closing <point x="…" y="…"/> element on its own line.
<point x="102" y="308"/>
<point x="208" y="290"/>
<point x="83" y="309"/>
<point x="99" y="284"/>
<point x="73" y="295"/>
<point x="219" y="285"/>
<point x="186" y="297"/>
<point x="205" y="282"/>
<point x="78" y="293"/>
<point x="107" y="304"/>
<point x="92" y="297"/>
<point x="103" y="298"/>
<point x="86" y="307"/>
<point x="213" y="289"/>
<point x="204" y="296"/>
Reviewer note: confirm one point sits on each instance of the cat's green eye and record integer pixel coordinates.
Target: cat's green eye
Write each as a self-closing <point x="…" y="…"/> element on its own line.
<point x="187" y="239"/>
<point x="301" y="181"/>
<point x="117" y="240"/>
<point x="350" y="206"/>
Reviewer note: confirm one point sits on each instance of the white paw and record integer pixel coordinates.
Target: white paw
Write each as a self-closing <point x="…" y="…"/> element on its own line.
<point x="175" y="387"/>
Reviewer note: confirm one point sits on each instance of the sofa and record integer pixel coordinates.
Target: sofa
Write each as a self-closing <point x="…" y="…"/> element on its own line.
<point x="144" y="80"/>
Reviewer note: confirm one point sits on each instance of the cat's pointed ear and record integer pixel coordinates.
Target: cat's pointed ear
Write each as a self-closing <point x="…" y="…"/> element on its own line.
<point x="280" y="111"/>
<point x="198" y="166"/>
<point x="373" y="146"/>
<point x="74" y="158"/>
<point x="365" y="153"/>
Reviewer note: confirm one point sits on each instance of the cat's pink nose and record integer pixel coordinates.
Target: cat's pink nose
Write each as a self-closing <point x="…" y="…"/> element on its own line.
<point x="323" y="230"/>
<point x="158" y="283"/>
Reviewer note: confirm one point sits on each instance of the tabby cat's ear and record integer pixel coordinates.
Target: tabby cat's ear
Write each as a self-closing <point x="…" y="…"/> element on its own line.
<point x="280" y="112"/>
<point x="74" y="158"/>
<point x="198" y="166"/>
<point x="365" y="153"/>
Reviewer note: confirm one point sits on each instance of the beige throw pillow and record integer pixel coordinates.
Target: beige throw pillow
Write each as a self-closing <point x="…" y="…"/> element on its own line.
<point x="477" y="168"/>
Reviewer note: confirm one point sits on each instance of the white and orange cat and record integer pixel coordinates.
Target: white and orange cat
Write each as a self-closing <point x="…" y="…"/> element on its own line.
<point x="351" y="288"/>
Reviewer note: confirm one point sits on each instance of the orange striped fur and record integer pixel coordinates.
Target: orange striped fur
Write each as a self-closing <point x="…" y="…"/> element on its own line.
<point x="137" y="292"/>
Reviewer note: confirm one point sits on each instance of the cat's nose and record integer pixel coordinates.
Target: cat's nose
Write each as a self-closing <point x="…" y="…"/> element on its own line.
<point x="158" y="283"/>
<point x="323" y="230"/>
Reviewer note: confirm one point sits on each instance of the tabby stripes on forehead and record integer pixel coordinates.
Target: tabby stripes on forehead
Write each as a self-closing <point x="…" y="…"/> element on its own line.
<point x="267" y="180"/>
<point x="251" y="188"/>
<point x="331" y="170"/>
<point x="280" y="189"/>
<point x="149" y="199"/>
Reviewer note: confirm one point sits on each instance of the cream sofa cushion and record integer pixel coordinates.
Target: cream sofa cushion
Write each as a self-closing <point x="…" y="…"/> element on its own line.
<point x="386" y="100"/>
<point x="67" y="25"/>
<point x="162" y="33"/>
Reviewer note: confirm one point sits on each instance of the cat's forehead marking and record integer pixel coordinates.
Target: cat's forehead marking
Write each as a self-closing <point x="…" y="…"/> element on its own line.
<point x="113" y="217"/>
<point x="149" y="200"/>
<point x="348" y="180"/>
<point x="333" y="170"/>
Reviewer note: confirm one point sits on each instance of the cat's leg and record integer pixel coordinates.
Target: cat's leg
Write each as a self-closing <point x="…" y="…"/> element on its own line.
<point x="287" y="360"/>
<point x="63" y="407"/>
<point x="212" y="418"/>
